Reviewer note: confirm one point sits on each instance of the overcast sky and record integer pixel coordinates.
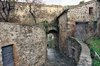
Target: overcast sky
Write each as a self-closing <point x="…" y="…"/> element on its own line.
<point x="63" y="2"/>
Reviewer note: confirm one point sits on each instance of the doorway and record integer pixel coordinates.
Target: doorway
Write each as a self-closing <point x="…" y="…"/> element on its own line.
<point x="81" y="30"/>
<point x="7" y="55"/>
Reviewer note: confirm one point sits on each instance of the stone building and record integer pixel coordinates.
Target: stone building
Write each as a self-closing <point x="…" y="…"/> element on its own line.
<point x="81" y="17"/>
<point x="84" y="16"/>
<point x="79" y="21"/>
<point x="62" y="31"/>
<point x="68" y="46"/>
<point x="84" y="12"/>
<point x="22" y="45"/>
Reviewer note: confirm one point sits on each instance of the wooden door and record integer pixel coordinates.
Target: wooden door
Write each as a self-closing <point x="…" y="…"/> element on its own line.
<point x="81" y="30"/>
<point x="7" y="56"/>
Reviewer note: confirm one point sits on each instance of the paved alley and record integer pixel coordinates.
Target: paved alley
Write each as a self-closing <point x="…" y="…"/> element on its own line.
<point x="56" y="59"/>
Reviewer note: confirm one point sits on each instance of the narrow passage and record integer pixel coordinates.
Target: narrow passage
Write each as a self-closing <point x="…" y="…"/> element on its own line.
<point x="55" y="58"/>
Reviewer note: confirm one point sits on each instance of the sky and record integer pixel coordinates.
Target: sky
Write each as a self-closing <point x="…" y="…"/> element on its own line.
<point x="63" y="2"/>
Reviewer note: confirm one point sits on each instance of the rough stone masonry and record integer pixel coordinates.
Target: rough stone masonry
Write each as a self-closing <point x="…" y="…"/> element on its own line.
<point x="29" y="44"/>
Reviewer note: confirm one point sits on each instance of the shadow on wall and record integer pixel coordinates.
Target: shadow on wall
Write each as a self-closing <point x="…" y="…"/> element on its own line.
<point x="74" y="48"/>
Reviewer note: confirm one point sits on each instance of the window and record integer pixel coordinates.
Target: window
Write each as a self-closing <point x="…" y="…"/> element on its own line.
<point x="90" y="10"/>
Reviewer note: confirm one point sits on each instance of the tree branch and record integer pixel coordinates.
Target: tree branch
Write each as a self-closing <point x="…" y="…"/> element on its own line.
<point x="32" y="13"/>
<point x="2" y="16"/>
<point x="6" y="9"/>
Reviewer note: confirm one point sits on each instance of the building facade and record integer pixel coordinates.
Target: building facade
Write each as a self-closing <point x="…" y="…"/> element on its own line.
<point x="80" y="21"/>
<point x="22" y="45"/>
<point x="83" y="16"/>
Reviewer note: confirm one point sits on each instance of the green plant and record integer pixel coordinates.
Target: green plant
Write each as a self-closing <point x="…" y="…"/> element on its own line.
<point x="94" y="45"/>
<point x="96" y="62"/>
<point x="45" y="24"/>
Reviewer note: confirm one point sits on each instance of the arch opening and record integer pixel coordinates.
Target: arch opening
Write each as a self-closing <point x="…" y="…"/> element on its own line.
<point x="53" y="39"/>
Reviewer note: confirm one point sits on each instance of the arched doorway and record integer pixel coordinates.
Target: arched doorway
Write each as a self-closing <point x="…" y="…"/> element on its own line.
<point x="53" y="39"/>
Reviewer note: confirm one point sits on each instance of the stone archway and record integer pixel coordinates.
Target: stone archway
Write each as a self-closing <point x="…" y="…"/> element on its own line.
<point x="54" y="36"/>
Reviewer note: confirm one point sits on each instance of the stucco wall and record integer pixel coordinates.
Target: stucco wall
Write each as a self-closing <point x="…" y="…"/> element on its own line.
<point x="29" y="43"/>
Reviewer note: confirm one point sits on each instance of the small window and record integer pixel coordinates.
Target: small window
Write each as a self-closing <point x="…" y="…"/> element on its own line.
<point x="90" y="10"/>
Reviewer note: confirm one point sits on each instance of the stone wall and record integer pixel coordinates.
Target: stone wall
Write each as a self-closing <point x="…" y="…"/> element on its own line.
<point x="42" y="12"/>
<point x="29" y="43"/>
<point x="98" y="24"/>
<point x="50" y="12"/>
<point x="68" y="46"/>
<point x="85" y="56"/>
<point x="67" y="26"/>
<point x="80" y="13"/>
<point x="63" y="32"/>
<point x="74" y="49"/>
